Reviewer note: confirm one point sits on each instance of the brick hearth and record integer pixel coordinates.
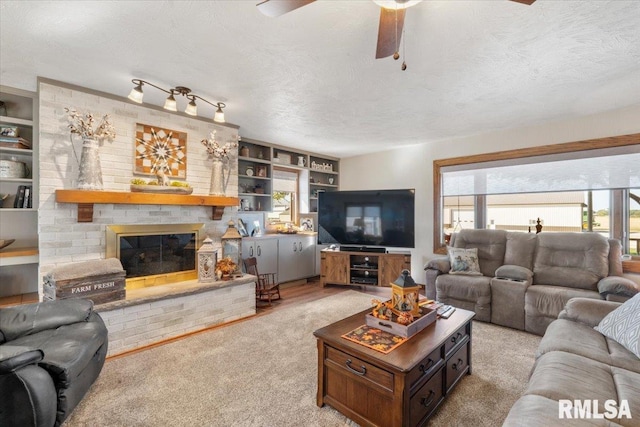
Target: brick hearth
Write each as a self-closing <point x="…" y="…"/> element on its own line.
<point x="155" y="314"/>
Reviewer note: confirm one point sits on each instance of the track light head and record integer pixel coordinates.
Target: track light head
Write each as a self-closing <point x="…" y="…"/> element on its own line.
<point x="136" y="93"/>
<point x="170" y="104"/>
<point x="192" y="108"/>
<point x="219" y="115"/>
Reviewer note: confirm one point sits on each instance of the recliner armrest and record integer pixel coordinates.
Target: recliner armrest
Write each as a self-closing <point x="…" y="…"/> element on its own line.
<point x="441" y="263"/>
<point x="28" y="319"/>
<point x="616" y="285"/>
<point x="514" y="272"/>
<point x="588" y="311"/>
<point x="13" y="357"/>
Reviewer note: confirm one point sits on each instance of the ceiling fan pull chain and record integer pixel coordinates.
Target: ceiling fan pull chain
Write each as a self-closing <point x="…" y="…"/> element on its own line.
<point x="404" y="53"/>
<point x="396" y="55"/>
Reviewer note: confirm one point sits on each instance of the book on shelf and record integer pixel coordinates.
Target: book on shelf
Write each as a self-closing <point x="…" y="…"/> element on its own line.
<point x="24" y="197"/>
<point x="14" y="142"/>
<point x="27" y="196"/>
<point x="17" y="203"/>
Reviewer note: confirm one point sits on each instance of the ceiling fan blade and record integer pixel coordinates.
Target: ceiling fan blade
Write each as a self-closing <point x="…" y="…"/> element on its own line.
<point x="389" y="34"/>
<point x="275" y="8"/>
<point x="527" y="2"/>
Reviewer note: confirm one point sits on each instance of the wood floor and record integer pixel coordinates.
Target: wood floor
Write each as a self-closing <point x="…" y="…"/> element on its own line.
<point x="18" y="299"/>
<point x="311" y="291"/>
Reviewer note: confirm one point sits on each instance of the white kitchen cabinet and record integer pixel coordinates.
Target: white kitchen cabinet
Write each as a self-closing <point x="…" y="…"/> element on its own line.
<point x="296" y="257"/>
<point x="265" y="250"/>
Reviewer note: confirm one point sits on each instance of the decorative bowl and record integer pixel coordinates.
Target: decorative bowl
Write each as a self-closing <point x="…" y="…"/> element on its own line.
<point x="168" y="189"/>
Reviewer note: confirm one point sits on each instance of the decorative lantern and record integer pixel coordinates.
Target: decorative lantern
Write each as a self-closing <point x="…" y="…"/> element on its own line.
<point x="232" y="244"/>
<point x="207" y="259"/>
<point x="405" y="294"/>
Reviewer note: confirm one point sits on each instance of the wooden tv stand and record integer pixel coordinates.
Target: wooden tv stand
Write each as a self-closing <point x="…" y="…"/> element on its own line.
<point x="361" y="268"/>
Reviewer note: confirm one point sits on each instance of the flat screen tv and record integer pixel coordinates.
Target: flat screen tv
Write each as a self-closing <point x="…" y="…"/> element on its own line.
<point x="375" y="218"/>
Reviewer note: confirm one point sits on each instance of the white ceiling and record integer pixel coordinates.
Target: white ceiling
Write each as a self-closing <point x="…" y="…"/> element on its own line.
<point x="309" y="78"/>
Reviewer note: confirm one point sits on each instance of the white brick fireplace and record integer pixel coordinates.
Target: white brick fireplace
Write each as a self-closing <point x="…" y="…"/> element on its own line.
<point x="63" y="240"/>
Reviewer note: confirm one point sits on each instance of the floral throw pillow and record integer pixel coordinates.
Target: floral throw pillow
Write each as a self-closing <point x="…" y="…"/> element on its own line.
<point x="464" y="261"/>
<point x="623" y="325"/>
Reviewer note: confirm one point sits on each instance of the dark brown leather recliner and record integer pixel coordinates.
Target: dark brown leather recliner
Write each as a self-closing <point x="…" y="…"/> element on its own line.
<point x="50" y="355"/>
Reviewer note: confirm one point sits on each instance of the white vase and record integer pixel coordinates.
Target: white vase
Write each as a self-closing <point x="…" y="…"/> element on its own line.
<point x="217" y="187"/>
<point x="90" y="175"/>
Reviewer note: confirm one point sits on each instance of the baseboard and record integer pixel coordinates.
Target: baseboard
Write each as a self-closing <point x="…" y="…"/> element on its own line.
<point x="309" y="280"/>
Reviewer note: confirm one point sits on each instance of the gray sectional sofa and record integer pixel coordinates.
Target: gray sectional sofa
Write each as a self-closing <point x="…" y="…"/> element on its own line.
<point x="576" y="362"/>
<point x="526" y="279"/>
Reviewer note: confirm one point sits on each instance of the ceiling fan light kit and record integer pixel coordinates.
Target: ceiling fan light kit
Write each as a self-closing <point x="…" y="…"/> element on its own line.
<point x="170" y="103"/>
<point x="396" y="4"/>
<point x="391" y="20"/>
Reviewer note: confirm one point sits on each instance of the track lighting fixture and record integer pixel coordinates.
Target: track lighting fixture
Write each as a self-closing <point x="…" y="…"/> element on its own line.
<point x="170" y="103"/>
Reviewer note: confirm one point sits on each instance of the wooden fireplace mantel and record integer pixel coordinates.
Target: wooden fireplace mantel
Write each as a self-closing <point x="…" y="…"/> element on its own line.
<point x="87" y="198"/>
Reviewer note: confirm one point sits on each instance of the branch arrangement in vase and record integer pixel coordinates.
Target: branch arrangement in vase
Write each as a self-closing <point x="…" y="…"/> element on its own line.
<point x="215" y="149"/>
<point x="83" y="125"/>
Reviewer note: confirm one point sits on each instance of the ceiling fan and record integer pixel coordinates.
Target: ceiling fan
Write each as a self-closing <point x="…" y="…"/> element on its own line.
<point x="389" y="29"/>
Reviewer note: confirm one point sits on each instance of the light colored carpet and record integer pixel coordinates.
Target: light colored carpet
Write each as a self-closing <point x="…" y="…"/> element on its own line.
<point x="263" y="372"/>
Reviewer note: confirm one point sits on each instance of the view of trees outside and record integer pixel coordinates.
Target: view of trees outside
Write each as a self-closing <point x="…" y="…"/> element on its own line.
<point x="601" y="207"/>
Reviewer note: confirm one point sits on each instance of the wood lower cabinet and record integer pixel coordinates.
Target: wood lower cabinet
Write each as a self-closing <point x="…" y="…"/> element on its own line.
<point x="362" y="268"/>
<point x="334" y="268"/>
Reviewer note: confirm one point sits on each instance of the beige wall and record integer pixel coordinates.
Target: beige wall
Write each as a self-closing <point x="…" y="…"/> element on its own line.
<point x="412" y="167"/>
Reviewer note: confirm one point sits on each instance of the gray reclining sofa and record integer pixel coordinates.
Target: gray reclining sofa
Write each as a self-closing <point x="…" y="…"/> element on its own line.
<point x="574" y="361"/>
<point x="526" y="279"/>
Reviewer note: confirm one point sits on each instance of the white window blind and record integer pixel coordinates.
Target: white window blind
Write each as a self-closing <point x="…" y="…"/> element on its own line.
<point x="285" y="181"/>
<point x="609" y="168"/>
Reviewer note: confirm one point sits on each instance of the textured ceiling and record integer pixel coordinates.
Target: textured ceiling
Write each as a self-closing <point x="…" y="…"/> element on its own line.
<point x="309" y="79"/>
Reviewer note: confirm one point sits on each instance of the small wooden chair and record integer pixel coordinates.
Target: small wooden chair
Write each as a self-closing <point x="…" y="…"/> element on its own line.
<point x="267" y="286"/>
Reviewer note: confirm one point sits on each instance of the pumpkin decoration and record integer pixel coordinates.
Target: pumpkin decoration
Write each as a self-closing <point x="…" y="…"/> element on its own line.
<point x="225" y="267"/>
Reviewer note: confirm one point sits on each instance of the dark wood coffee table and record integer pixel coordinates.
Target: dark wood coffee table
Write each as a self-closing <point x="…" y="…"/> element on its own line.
<point x="402" y="388"/>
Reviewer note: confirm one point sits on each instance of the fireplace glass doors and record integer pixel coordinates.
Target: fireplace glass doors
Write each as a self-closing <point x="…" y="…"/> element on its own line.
<point x="155" y="254"/>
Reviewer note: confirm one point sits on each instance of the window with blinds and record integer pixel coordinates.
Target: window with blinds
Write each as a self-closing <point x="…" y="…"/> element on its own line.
<point x="590" y="190"/>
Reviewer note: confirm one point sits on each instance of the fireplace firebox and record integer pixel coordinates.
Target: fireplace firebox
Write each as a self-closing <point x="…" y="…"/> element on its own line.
<point x="155" y="255"/>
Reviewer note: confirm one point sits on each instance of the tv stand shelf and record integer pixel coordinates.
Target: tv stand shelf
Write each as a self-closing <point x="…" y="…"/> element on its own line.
<point x="361" y="268"/>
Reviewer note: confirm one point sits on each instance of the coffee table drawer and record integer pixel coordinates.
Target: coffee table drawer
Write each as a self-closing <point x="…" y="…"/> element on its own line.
<point x="426" y="399"/>
<point x="360" y="368"/>
<point x="425" y="368"/>
<point x="457" y="365"/>
<point x="455" y="338"/>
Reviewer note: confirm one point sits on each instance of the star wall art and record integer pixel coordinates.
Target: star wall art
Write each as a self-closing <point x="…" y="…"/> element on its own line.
<point x="159" y="149"/>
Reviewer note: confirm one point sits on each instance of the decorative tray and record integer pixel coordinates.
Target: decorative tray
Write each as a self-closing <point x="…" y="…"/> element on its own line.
<point x="161" y="189"/>
<point x="427" y="318"/>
